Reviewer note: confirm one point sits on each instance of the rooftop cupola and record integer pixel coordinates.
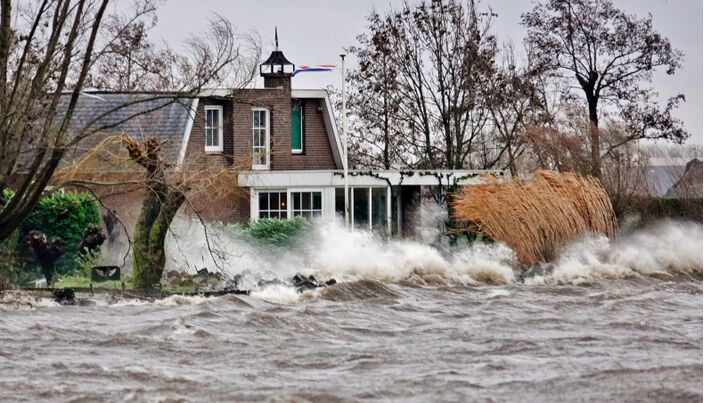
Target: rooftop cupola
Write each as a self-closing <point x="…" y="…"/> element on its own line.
<point x="277" y="70"/>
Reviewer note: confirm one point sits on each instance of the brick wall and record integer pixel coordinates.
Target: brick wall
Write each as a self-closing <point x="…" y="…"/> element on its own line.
<point x="317" y="151"/>
<point x="126" y="202"/>
<point x="232" y="205"/>
<point x="278" y="102"/>
<point x="195" y="149"/>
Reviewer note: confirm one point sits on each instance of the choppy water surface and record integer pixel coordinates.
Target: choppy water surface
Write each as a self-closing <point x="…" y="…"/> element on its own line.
<point x="598" y="329"/>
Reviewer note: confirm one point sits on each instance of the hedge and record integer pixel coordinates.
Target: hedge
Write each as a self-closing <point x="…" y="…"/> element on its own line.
<point x="651" y="209"/>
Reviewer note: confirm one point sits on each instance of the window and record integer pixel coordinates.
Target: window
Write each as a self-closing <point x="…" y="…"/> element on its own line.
<point x="297" y="128"/>
<point x="369" y="207"/>
<point x="379" y="208"/>
<point x="360" y="207"/>
<point x="213" y="128"/>
<point x="273" y="205"/>
<point x="260" y="138"/>
<point x="307" y="204"/>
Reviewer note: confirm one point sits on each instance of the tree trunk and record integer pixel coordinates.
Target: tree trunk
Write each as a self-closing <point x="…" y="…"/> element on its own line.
<point x="594" y="137"/>
<point x="158" y="211"/>
<point x="150" y="234"/>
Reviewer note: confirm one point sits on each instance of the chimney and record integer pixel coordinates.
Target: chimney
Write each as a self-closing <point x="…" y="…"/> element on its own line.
<point x="277" y="70"/>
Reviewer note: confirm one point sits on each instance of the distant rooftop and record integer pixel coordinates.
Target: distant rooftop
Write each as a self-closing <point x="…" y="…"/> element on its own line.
<point x="668" y="162"/>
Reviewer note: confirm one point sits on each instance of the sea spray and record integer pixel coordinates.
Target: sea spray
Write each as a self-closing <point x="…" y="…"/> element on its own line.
<point x="671" y="248"/>
<point x="328" y="250"/>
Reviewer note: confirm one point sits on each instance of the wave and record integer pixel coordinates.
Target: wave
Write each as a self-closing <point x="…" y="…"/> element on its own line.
<point x="362" y="289"/>
<point x="330" y="251"/>
<point x="362" y="263"/>
<point x="668" y="249"/>
<point x="20" y="300"/>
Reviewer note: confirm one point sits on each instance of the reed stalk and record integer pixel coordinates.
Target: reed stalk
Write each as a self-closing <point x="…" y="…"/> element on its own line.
<point x="536" y="217"/>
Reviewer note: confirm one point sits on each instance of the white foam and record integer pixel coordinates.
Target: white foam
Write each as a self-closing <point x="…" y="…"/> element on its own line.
<point x="19" y="300"/>
<point x="669" y="247"/>
<point x="277" y="293"/>
<point x="331" y="251"/>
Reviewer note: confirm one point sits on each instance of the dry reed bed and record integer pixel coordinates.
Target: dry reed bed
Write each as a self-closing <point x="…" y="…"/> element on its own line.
<point x="537" y="216"/>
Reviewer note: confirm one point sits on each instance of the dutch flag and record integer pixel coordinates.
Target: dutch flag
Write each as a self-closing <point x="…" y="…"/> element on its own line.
<point x="320" y="67"/>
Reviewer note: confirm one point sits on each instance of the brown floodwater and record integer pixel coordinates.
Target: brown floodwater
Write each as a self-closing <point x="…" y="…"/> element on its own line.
<point x="623" y="332"/>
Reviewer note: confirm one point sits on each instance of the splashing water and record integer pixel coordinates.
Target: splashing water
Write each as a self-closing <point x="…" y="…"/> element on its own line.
<point x="331" y="251"/>
<point x="615" y="320"/>
<point x="667" y="249"/>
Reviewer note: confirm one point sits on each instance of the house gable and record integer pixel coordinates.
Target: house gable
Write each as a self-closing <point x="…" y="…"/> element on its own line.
<point x="321" y="146"/>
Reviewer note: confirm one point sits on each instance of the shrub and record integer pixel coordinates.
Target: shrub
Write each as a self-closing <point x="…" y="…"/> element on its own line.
<point x="9" y="261"/>
<point x="651" y="209"/>
<point x="276" y="231"/>
<point x="535" y="217"/>
<point x="65" y="216"/>
<point x="5" y="196"/>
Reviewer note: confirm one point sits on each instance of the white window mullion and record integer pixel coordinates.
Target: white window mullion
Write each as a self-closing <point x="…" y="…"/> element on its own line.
<point x="266" y="137"/>
<point x="388" y="210"/>
<point x="260" y="138"/>
<point x="289" y="205"/>
<point x="213" y="129"/>
<point x="369" y="208"/>
<point x="351" y="207"/>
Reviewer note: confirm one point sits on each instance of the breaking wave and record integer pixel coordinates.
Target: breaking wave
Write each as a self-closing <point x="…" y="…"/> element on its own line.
<point x="365" y="265"/>
<point x="668" y="249"/>
<point x="329" y="251"/>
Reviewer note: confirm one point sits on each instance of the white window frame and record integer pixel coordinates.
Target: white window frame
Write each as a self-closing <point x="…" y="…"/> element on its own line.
<point x="267" y="129"/>
<point x="291" y="191"/>
<point x="279" y="190"/>
<point x="369" y="224"/>
<point x="219" y="147"/>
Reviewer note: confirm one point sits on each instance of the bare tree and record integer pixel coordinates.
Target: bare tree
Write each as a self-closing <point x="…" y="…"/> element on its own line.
<point x="610" y="55"/>
<point x="514" y="103"/>
<point x="427" y="67"/>
<point x="130" y="60"/>
<point x="46" y="54"/>
<point x="376" y="138"/>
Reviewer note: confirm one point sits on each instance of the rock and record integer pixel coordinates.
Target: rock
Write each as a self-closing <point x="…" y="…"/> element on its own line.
<point x="204" y="278"/>
<point x="303" y="283"/>
<point x="65" y="296"/>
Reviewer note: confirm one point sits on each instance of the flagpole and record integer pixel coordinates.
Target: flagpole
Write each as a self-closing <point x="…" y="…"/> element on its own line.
<point x="344" y="142"/>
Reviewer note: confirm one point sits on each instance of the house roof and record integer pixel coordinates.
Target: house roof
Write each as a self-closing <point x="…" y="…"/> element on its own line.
<point x="674" y="177"/>
<point x="328" y="118"/>
<point x="690" y="184"/>
<point x="660" y="178"/>
<point x="161" y="115"/>
<point x="158" y="115"/>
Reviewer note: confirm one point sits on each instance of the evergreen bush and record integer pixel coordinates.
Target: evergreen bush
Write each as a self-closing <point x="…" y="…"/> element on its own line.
<point x="66" y="216"/>
<point x="276" y="231"/>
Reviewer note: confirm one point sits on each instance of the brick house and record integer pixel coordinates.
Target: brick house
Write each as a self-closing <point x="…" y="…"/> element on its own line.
<point x="286" y="145"/>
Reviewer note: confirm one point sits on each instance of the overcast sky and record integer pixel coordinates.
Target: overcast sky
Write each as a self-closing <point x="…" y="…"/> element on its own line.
<point x="316" y="31"/>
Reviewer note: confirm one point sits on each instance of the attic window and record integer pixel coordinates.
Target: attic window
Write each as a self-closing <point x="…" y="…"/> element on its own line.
<point x="213" y="129"/>
<point x="297" y="128"/>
